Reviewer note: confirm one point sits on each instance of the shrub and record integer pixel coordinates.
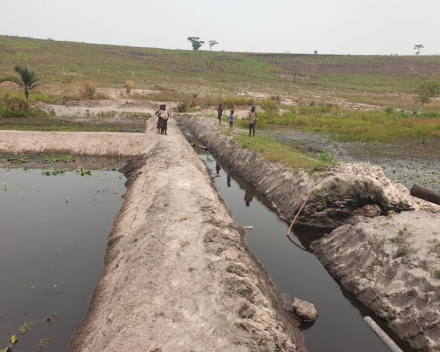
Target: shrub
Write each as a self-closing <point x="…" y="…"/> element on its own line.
<point x="389" y="110"/>
<point x="129" y="85"/>
<point x="270" y="106"/>
<point x="13" y="106"/>
<point x="312" y="103"/>
<point x="88" y="89"/>
<point x="182" y="107"/>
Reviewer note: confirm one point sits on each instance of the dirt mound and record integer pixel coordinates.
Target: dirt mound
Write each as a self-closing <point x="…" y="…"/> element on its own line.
<point x="391" y="265"/>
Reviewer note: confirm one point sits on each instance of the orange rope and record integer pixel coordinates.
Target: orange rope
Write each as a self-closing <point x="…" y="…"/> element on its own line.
<point x="311" y="191"/>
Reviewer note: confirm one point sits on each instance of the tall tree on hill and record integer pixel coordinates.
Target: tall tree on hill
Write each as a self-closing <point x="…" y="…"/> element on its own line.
<point x="27" y="80"/>
<point x="212" y="43"/>
<point x="196" y="42"/>
<point x="418" y="48"/>
<point x="425" y="92"/>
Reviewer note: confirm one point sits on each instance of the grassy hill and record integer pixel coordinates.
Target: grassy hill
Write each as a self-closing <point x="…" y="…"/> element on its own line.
<point x="277" y="73"/>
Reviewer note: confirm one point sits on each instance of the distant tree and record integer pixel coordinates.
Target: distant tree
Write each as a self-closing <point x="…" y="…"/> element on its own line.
<point x="27" y="80"/>
<point x="418" y="48"/>
<point x="425" y="92"/>
<point x="196" y="42"/>
<point x="212" y="43"/>
<point x="316" y="52"/>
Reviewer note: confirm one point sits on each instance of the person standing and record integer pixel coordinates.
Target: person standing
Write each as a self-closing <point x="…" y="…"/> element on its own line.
<point x="231" y="119"/>
<point x="158" y="113"/>
<point x="219" y="113"/>
<point x="253" y="118"/>
<point x="165" y="115"/>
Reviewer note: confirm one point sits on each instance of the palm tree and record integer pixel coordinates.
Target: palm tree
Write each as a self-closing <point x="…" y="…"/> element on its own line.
<point x="27" y="80"/>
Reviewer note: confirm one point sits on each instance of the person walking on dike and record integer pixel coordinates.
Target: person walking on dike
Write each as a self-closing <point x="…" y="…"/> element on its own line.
<point x="231" y="119"/>
<point x="220" y="113"/>
<point x="253" y="118"/>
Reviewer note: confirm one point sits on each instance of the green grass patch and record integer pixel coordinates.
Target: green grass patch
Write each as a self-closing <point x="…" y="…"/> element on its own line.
<point x="274" y="151"/>
<point x="349" y="125"/>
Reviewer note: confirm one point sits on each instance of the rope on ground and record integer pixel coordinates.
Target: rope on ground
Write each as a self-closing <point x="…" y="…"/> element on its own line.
<point x="324" y="175"/>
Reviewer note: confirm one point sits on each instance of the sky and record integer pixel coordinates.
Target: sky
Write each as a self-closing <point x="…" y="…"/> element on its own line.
<point x="296" y="26"/>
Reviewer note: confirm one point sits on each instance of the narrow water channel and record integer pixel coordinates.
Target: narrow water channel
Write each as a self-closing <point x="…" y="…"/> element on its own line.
<point x="296" y="272"/>
<point x="53" y="236"/>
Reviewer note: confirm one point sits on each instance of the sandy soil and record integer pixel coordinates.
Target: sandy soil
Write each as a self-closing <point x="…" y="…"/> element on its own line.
<point x="178" y="274"/>
<point x="389" y="264"/>
<point x="79" y="143"/>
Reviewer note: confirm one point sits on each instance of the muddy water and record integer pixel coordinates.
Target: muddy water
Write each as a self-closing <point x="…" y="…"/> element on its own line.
<point x="409" y="162"/>
<point x="296" y="271"/>
<point x="53" y="236"/>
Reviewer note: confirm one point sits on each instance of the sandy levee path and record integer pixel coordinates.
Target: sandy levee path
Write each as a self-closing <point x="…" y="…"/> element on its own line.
<point x="178" y="274"/>
<point x="80" y="143"/>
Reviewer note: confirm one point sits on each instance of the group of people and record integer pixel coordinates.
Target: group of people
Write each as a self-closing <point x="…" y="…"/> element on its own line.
<point x="253" y="118"/>
<point x="163" y="116"/>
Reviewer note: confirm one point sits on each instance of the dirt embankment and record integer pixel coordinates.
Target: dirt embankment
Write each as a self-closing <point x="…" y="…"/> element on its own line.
<point x="350" y="189"/>
<point x="178" y="273"/>
<point x="392" y="264"/>
<point x="79" y="143"/>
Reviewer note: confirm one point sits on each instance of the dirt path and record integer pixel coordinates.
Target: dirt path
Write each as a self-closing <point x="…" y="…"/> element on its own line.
<point x="79" y="143"/>
<point x="178" y="274"/>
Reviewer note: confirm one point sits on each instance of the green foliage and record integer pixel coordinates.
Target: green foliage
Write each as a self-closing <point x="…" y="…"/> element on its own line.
<point x="389" y="110"/>
<point x="196" y="42"/>
<point x="437" y="274"/>
<point x="325" y="156"/>
<point x="27" y="79"/>
<point x="51" y="159"/>
<point x="13" y="106"/>
<point x="272" y="150"/>
<point x="425" y="92"/>
<point x="18" y="159"/>
<point x="271" y="107"/>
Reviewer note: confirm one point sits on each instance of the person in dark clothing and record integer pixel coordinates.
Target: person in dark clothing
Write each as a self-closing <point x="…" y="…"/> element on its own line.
<point x="231" y="119"/>
<point x="253" y="118"/>
<point x="217" y="167"/>
<point x="228" y="180"/>
<point x="219" y="113"/>
<point x="162" y="119"/>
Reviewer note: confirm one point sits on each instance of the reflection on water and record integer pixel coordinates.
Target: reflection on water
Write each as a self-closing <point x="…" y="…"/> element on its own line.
<point x="295" y="271"/>
<point x="53" y="236"/>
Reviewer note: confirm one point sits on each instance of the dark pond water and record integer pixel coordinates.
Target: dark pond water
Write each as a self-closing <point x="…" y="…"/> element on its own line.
<point x="295" y="271"/>
<point x="53" y="236"/>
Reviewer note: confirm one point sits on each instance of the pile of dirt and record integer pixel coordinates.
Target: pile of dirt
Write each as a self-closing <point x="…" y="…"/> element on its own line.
<point x="392" y="265"/>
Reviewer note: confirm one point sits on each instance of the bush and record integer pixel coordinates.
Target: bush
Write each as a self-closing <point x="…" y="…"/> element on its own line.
<point x="129" y="85"/>
<point x="270" y="106"/>
<point x="389" y="110"/>
<point x="182" y="107"/>
<point x="13" y="106"/>
<point x="88" y="89"/>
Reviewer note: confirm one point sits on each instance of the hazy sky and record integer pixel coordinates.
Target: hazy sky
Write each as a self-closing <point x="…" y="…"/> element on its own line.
<point x="298" y="26"/>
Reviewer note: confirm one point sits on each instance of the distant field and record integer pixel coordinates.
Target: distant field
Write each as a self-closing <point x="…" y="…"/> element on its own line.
<point x="276" y="73"/>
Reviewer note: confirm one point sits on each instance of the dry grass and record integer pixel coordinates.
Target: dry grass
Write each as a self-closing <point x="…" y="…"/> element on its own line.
<point x="129" y="85"/>
<point x="88" y="89"/>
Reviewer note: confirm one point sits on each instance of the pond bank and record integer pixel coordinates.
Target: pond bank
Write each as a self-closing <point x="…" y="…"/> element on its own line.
<point x="347" y="193"/>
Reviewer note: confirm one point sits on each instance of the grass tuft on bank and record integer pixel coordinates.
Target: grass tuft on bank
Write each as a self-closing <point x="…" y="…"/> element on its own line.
<point x="274" y="151"/>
